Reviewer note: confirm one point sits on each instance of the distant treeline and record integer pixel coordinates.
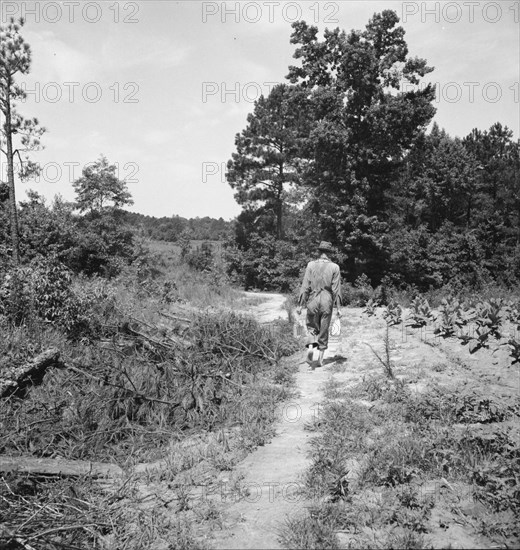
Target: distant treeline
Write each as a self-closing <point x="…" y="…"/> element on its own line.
<point x="170" y="229"/>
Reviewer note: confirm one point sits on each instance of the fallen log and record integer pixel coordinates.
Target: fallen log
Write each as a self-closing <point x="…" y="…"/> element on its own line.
<point x="17" y="378"/>
<point x="59" y="467"/>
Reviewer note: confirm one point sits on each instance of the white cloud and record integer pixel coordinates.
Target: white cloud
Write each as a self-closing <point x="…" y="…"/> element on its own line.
<point x="157" y="137"/>
<point x="128" y="50"/>
<point x="56" y="61"/>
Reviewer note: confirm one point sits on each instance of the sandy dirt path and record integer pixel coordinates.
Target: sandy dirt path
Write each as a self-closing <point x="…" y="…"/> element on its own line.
<point x="272" y="475"/>
<point x="270" y="309"/>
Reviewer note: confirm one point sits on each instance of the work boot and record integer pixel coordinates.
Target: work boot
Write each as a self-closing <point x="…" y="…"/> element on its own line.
<point x="320" y="358"/>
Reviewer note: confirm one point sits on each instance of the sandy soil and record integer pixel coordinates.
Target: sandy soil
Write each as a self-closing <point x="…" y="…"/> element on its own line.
<point x="271" y="308"/>
<point x="271" y="477"/>
<point x="273" y="474"/>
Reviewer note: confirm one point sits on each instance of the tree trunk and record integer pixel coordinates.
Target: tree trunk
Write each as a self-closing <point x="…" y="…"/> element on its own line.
<point x="279" y="205"/>
<point x="279" y="222"/>
<point x="15" y="242"/>
<point x="518" y="224"/>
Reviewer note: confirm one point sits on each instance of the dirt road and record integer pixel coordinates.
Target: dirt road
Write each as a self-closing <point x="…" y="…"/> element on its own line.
<point x="273" y="474"/>
<point x="271" y="307"/>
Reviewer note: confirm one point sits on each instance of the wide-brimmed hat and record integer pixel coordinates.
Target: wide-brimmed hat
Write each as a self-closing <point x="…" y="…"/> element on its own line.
<point x="325" y="246"/>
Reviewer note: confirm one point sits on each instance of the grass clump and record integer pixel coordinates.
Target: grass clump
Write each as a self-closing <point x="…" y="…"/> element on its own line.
<point x="309" y="532"/>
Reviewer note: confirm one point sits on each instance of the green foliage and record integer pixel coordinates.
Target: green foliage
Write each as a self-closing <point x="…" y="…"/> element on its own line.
<point x="478" y="340"/>
<point x="359" y="293"/>
<point x="442" y="177"/>
<point x="466" y="315"/>
<point x="201" y="258"/>
<point x="413" y="514"/>
<point x="498" y="483"/>
<point x="450" y="255"/>
<point x="131" y="392"/>
<point x="267" y="163"/>
<point x="185" y="244"/>
<point x="357" y="144"/>
<point x="267" y="264"/>
<point x="470" y="407"/>
<point x="384" y="388"/>
<point x="103" y="244"/>
<point x="457" y="217"/>
<point x="420" y="313"/>
<point x="393" y="313"/>
<point x="43" y="291"/>
<point x="370" y="307"/>
<point x="46" y="230"/>
<point x="171" y="228"/>
<point x="512" y="311"/>
<point x="99" y="188"/>
<point x="309" y="532"/>
<point x="447" y="317"/>
<point x="15" y="58"/>
<point x="514" y="349"/>
<point x="490" y="316"/>
<point x="397" y="463"/>
<point x="463" y="406"/>
<point x="95" y="243"/>
<point x="343" y="427"/>
<point x="426" y="210"/>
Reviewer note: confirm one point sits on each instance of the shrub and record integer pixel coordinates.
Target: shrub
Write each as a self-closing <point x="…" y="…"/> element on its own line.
<point x="43" y="292"/>
<point x="358" y="294"/>
<point x="40" y="290"/>
<point x="202" y="258"/>
<point x="268" y="264"/>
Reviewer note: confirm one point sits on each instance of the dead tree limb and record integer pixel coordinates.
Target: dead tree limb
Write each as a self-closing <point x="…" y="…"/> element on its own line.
<point x="59" y="467"/>
<point x="175" y="317"/>
<point x="18" y="378"/>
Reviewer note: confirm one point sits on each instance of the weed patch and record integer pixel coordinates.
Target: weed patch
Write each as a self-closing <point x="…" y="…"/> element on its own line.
<point x="399" y="445"/>
<point x="308" y="532"/>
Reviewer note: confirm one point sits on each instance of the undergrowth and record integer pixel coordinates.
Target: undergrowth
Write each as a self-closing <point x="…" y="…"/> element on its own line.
<point x="142" y="370"/>
<point x="372" y="466"/>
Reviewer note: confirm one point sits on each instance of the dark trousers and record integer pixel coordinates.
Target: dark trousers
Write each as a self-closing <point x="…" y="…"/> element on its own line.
<point x="319" y="315"/>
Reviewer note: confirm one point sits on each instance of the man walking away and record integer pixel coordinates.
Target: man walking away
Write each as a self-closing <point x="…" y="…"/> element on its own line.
<point x="320" y="291"/>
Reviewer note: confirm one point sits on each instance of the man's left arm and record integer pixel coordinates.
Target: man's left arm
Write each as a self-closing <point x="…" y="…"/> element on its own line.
<point x="305" y="289"/>
<point x="336" y="288"/>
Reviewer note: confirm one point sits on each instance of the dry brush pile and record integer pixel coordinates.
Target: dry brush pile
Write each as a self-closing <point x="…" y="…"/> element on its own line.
<point x="125" y="387"/>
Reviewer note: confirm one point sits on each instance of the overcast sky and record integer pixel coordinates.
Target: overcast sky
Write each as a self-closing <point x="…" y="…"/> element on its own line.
<point x="162" y="87"/>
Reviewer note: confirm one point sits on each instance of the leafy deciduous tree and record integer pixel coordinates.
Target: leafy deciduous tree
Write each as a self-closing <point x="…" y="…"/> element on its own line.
<point x="99" y="188"/>
<point x="363" y="125"/>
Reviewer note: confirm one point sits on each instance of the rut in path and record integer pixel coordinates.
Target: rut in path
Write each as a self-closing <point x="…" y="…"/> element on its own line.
<point x="273" y="473"/>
